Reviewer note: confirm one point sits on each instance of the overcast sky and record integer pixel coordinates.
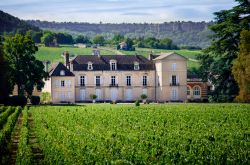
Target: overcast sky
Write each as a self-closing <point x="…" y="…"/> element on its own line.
<point x="116" y="11"/>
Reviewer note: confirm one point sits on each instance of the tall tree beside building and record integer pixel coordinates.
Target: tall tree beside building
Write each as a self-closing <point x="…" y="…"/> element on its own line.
<point x="25" y="71"/>
<point x="241" y="67"/>
<point x="5" y="84"/>
<point x="224" y="49"/>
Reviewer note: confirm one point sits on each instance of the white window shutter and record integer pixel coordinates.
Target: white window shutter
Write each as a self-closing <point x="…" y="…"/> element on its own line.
<point x="69" y="83"/>
<point x="177" y="78"/>
<point x="79" y="80"/>
<point x="86" y="80"/>
<point x="95" y="80"/>
<point x="101" y="80"/>
<point x="170" y="79"/>
<point x="116" y="80"/>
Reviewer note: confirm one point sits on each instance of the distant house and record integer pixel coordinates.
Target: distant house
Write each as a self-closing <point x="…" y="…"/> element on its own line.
<point x="123" y="46"/>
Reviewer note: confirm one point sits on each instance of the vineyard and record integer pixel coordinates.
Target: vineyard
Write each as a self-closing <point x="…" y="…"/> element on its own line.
<point x="125" y="134"/>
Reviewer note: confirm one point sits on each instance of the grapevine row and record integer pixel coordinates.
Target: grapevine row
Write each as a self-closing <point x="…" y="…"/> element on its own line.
<point x="24" y="150"/>
<point x="5" y="133"/>
<point x="4" y="116"/>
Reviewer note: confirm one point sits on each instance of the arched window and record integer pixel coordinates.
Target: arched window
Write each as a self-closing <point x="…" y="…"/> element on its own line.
<point x="197" y="91"/>
<point x="136" y="66"/>
<point x="90" y="66"/>
<point x="62" y="73"/>
<point x="188" y="91"/>
<point x="113" y="65"/>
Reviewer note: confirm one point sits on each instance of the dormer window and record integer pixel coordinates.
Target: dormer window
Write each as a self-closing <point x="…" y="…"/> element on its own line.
<point x="113" y="65"/>
<point x="90" y="66"/>
<point x="136" y="66"/>
<point x="62" y="73"/>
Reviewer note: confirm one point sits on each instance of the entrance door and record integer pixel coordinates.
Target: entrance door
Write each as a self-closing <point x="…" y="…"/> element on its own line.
<point x="113" y="94"/>
<point x="98" y="93"/>
<point x="128" y="95"/>
<point x="174" y="94"/>
<point x="82" y="94"/>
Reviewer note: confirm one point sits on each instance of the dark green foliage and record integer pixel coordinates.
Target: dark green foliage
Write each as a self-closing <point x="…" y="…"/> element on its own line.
<point x="82" y="39"/>
<point x="5" y="84"/>
<point x="64" y="38"/>
<point x="16" y="101"/>
<point x="155" y="43"/>
<point x="11" y="24"/>
<point x="26" y="72"/>
<point x="35" y="100"/>
<point x="137" y="103"/>
<point x="216" y="63"/>
<point x="49" y="39"/>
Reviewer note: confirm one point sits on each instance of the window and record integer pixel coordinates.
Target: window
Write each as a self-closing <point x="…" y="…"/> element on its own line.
<point x="62" y="73"/>
<point x="90" y="66"/>
<point x="128" y="80"/>
<point x="113" y="80"/>
<point x="173" y="79"/>
<point x="82" y="80"/>
<point x="174" y="66"/>
<point x="144" y="81"/>
<point x="136" y="66"/>
<point x="62" y="83"/>
<point x="97" y="80"/>
<point x="197" y="91"/>
<point x="188" y="91"/>
<point x="112" y="64"/>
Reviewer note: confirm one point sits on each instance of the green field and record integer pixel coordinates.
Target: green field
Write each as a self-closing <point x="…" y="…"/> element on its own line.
<point x="54" y="54"/>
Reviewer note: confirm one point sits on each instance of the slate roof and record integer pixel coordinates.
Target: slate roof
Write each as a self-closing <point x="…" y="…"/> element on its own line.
<point x="124" y="62"/>
<point x="56" y="69"/>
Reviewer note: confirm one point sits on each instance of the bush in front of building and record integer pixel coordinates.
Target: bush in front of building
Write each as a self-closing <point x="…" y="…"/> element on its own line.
<point x="15" y="101"/>
<point x="137" y="103"/>
<point x="35" y="100"/>
<point x="45" y="98"/>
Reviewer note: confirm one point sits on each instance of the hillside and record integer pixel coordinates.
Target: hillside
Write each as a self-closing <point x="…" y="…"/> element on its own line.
<point x="9" y="23"/>
<point x="182" y="33"/>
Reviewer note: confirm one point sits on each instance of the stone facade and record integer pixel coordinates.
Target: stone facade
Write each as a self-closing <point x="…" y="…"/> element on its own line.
<point x="119" y="78"/>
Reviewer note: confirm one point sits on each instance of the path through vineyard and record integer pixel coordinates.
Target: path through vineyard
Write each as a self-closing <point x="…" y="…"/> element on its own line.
<point x="37" y="154"/>
<point x="15" y="140"/>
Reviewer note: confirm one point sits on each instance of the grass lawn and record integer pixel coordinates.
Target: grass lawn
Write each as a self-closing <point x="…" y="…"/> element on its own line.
<point x="54" y="54"/>
<point x="149" y="134"/>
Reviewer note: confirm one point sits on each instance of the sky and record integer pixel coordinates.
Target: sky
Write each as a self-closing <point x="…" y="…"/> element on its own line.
<point x="115" y="11"/>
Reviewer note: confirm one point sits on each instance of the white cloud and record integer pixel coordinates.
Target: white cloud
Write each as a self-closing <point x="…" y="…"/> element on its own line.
<point x="115" y="10"/>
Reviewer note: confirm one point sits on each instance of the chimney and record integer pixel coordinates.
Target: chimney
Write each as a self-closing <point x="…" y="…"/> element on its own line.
<point x="66" y="59"/>
<point x="46" y="65"/>
<point x="96" y="52"/>
<point x="150" y="57"/>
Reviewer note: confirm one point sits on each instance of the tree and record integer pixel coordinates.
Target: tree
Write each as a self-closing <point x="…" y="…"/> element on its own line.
<point x="48" y="38"/>
<point x="5" y="84"/>
<point x="241" y="67"/>
<point x="26" y="72"/>
<point x="64" y="38"/>
<point x="223" y="50"/>
<point x="99" y="39"/>
<point x="118" y="38"/>
<point x="82" y="39"/>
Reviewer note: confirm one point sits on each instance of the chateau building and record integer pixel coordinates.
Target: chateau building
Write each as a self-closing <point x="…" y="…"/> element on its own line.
<point x="120" y="78"/>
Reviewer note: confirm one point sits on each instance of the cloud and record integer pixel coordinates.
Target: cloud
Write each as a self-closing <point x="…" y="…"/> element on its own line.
<point x="115" y="10"/>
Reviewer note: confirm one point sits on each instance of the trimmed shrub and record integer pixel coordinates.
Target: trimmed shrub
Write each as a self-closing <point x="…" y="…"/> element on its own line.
<point x="137" y="103"/>
<point x="35" y="100"/>
<point x="45" y="98"/>
<point x="15" y="101"/>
